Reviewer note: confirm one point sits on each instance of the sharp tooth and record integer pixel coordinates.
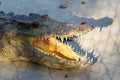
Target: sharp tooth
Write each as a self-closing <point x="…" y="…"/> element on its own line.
<point x="76" y="51"/>
<point x="70" y="45"/>
<point x="62" y="39"/>
<point x="75" y="40"/>
<point x="76" y="35"/>
<point x="88" y="58"/>
<point x="57" y="44"/>
<point x="94" y="54"/>
<point x="91" y="60"/>
<point x="73" y="48"/>
<point x="79" y="52"/>
<point x="86" y="53"/>
<point x="67" y="44"/>
<point x="83" y="49"/>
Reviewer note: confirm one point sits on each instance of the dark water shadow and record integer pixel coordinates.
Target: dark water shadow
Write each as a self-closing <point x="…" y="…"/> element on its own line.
<point x="99" y="23"/>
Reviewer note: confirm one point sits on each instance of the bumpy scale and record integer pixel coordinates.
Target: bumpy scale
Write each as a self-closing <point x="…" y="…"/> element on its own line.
<point x="41" y="39"/>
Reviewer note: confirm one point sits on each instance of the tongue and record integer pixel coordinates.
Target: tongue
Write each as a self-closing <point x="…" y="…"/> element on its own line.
<point x="53" y="46"/>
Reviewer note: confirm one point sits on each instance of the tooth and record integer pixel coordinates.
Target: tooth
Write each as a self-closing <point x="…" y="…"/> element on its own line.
<point x="67" y="44"/>
<point x="62" y="40"/>
<point x="76" y="51"/>
<point x="83" y="49"/>
<point x="66" y="38"/>
<point x="75" y="40"/>
<point x="93" y="54"/>
<point x="57" y="44"/>
<point x="73" y="48"/>
<point x="91" y="60"/>
<point x="88" y="58"/>
<point x="70" y="45"/>
<point x="86" y="53"/>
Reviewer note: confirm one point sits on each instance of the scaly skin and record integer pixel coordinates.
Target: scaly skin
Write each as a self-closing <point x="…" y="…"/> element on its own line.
<point x="33" y="38"/>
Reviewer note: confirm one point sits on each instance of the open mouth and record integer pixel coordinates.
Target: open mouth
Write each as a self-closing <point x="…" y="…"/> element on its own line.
<point x="56" y="46"/>
<point x="62" y="49"/>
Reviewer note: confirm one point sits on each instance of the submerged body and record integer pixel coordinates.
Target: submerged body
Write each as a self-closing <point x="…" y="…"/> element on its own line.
<point x="40" y="39"/>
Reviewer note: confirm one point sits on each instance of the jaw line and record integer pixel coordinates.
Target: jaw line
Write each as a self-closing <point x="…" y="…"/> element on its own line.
<point x="53" y="46"/>
<point x="82" y="59"/>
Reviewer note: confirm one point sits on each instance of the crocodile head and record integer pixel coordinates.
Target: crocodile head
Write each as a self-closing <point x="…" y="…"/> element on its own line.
<point x="45" y="39"/>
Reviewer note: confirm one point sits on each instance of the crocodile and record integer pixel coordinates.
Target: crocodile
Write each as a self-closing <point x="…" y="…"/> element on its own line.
<point x="43" y="40"/>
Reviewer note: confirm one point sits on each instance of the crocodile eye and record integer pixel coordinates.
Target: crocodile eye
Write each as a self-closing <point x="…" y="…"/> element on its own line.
<point x="36" y="25"/>
<point x="46" y="17"/>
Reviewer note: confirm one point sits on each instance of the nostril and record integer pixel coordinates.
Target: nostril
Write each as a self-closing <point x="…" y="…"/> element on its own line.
<point x="83" y="23"/>
<point x="63" y="6"/>
<point x="46" y="17"/>
<point x="82" y="2"/>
